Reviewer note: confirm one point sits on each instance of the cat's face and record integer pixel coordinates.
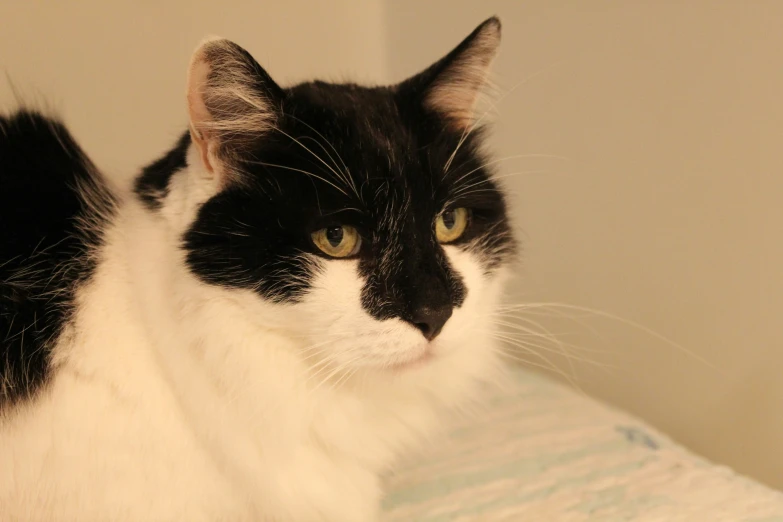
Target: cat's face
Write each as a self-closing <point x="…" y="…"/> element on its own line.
<point x="364" y="219"/>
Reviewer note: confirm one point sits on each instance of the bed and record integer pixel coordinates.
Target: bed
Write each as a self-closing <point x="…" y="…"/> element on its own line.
<point x="538" y="451"/>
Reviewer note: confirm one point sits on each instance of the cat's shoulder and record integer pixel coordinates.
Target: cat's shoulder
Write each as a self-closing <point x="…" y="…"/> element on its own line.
<point x="52" y="204"/>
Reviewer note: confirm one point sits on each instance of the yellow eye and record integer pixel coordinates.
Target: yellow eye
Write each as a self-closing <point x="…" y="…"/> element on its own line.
<point x="338" y="241"/>
<point x="451" y="224"/>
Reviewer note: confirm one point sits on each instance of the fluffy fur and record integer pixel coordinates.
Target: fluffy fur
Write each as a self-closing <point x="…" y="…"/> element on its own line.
<point x="189" y="354"/>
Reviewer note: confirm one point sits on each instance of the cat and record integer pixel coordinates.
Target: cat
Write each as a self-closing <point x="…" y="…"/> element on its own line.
<point x="292" y="297"/>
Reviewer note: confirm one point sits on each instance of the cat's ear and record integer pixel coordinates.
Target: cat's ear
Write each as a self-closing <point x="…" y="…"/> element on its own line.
<point x="452" y="85"/>
<point x="232" y="103"/>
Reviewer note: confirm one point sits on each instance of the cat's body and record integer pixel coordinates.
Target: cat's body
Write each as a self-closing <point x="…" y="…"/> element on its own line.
<point x="184" y="352"/>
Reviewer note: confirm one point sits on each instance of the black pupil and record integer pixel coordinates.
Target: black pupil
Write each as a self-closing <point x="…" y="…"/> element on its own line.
<point x="335" y="235"/>
<point x="449" y="218"/>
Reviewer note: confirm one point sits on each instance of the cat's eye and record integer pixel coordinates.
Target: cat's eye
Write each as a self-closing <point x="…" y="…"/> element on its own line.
<point x="451" y="224"/>
<point x="338" y="241"/>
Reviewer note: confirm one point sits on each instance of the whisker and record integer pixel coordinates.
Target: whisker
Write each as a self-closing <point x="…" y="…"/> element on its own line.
<point x="345" y="167"/>
<point x="546" y="365"/>
<point x="343" y="177"/>
<point x="274" y="165"/>
<point x="527" y="344"/>
<point x="562" y="315"/>
<point x="316" y="156"/>
<point x="336" y="371"/>
<point x="627" y="322"/>
<point x="552" y="337"/>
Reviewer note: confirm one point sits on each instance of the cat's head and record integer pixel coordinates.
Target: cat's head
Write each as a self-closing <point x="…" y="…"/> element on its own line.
<point x="363" y="220"/>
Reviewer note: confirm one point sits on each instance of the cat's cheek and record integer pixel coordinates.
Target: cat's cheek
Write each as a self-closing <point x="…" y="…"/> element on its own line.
<point x="333" y="302"/>
<point x="469" y="269"/>
<point x="474" y="318"/>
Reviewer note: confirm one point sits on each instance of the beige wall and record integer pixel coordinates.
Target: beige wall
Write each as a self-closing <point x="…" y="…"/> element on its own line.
<point x="116" y="70"/>
<point x="666" y="209"/>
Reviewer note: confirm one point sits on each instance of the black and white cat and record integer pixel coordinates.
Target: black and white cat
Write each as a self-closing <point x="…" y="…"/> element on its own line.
<point x="284" y="303"/>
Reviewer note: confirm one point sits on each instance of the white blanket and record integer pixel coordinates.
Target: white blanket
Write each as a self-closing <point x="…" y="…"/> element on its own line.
<point x="541" y="452"/>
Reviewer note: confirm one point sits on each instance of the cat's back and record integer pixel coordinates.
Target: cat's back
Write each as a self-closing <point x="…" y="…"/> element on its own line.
<point x="52" y="206"/>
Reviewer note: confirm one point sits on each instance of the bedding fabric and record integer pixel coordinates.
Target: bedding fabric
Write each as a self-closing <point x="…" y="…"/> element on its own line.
<point x="538" y="451"/>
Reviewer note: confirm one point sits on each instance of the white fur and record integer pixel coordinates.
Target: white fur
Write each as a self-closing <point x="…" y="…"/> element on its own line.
<point x="177" y="400"/>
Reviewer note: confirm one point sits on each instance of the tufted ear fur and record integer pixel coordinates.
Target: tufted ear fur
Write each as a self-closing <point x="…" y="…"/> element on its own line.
<point x="232" y="102"/>
<point x="452" y="85"/>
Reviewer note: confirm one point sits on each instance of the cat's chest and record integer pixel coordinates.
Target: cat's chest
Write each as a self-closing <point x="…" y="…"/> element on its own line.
<point x="318" y="485"/>
<point x="121" y="452"/>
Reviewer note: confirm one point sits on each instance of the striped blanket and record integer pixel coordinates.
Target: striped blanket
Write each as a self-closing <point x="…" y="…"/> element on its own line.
<point x="541" y="452"/>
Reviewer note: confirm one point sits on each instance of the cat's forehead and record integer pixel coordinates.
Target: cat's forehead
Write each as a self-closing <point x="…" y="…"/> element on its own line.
<point x="343" y="100"/>
<point x="341" y="146"/>
<point x="352" y="116"/>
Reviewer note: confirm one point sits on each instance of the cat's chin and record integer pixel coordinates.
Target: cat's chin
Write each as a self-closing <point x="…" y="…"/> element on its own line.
<point x="417" y="362"/>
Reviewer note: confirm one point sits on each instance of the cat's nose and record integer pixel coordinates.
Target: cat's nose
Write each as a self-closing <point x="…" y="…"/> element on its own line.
<point x="430" y="320"/>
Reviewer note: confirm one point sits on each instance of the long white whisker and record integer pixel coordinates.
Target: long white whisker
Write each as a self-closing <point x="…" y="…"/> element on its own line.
<point x="547" y="364"/>
<point x="559" y="314"/>
<point x="345" y="167"/>
<point x="301" y="171"/>
<point x="531" y="345"/>
<point x="547" y="336"/>
<point x="628" y="322"/>
<point x="343" y="177"/>
<point x="316" y="156"/>
<point x="550" y="337"/>
<point x="336" y="371"/>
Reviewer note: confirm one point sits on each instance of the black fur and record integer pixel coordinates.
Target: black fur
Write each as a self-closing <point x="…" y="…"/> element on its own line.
<point x="152" y="186"/>
<point x="373" y="158"/>
<point x="43" y="254"/>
